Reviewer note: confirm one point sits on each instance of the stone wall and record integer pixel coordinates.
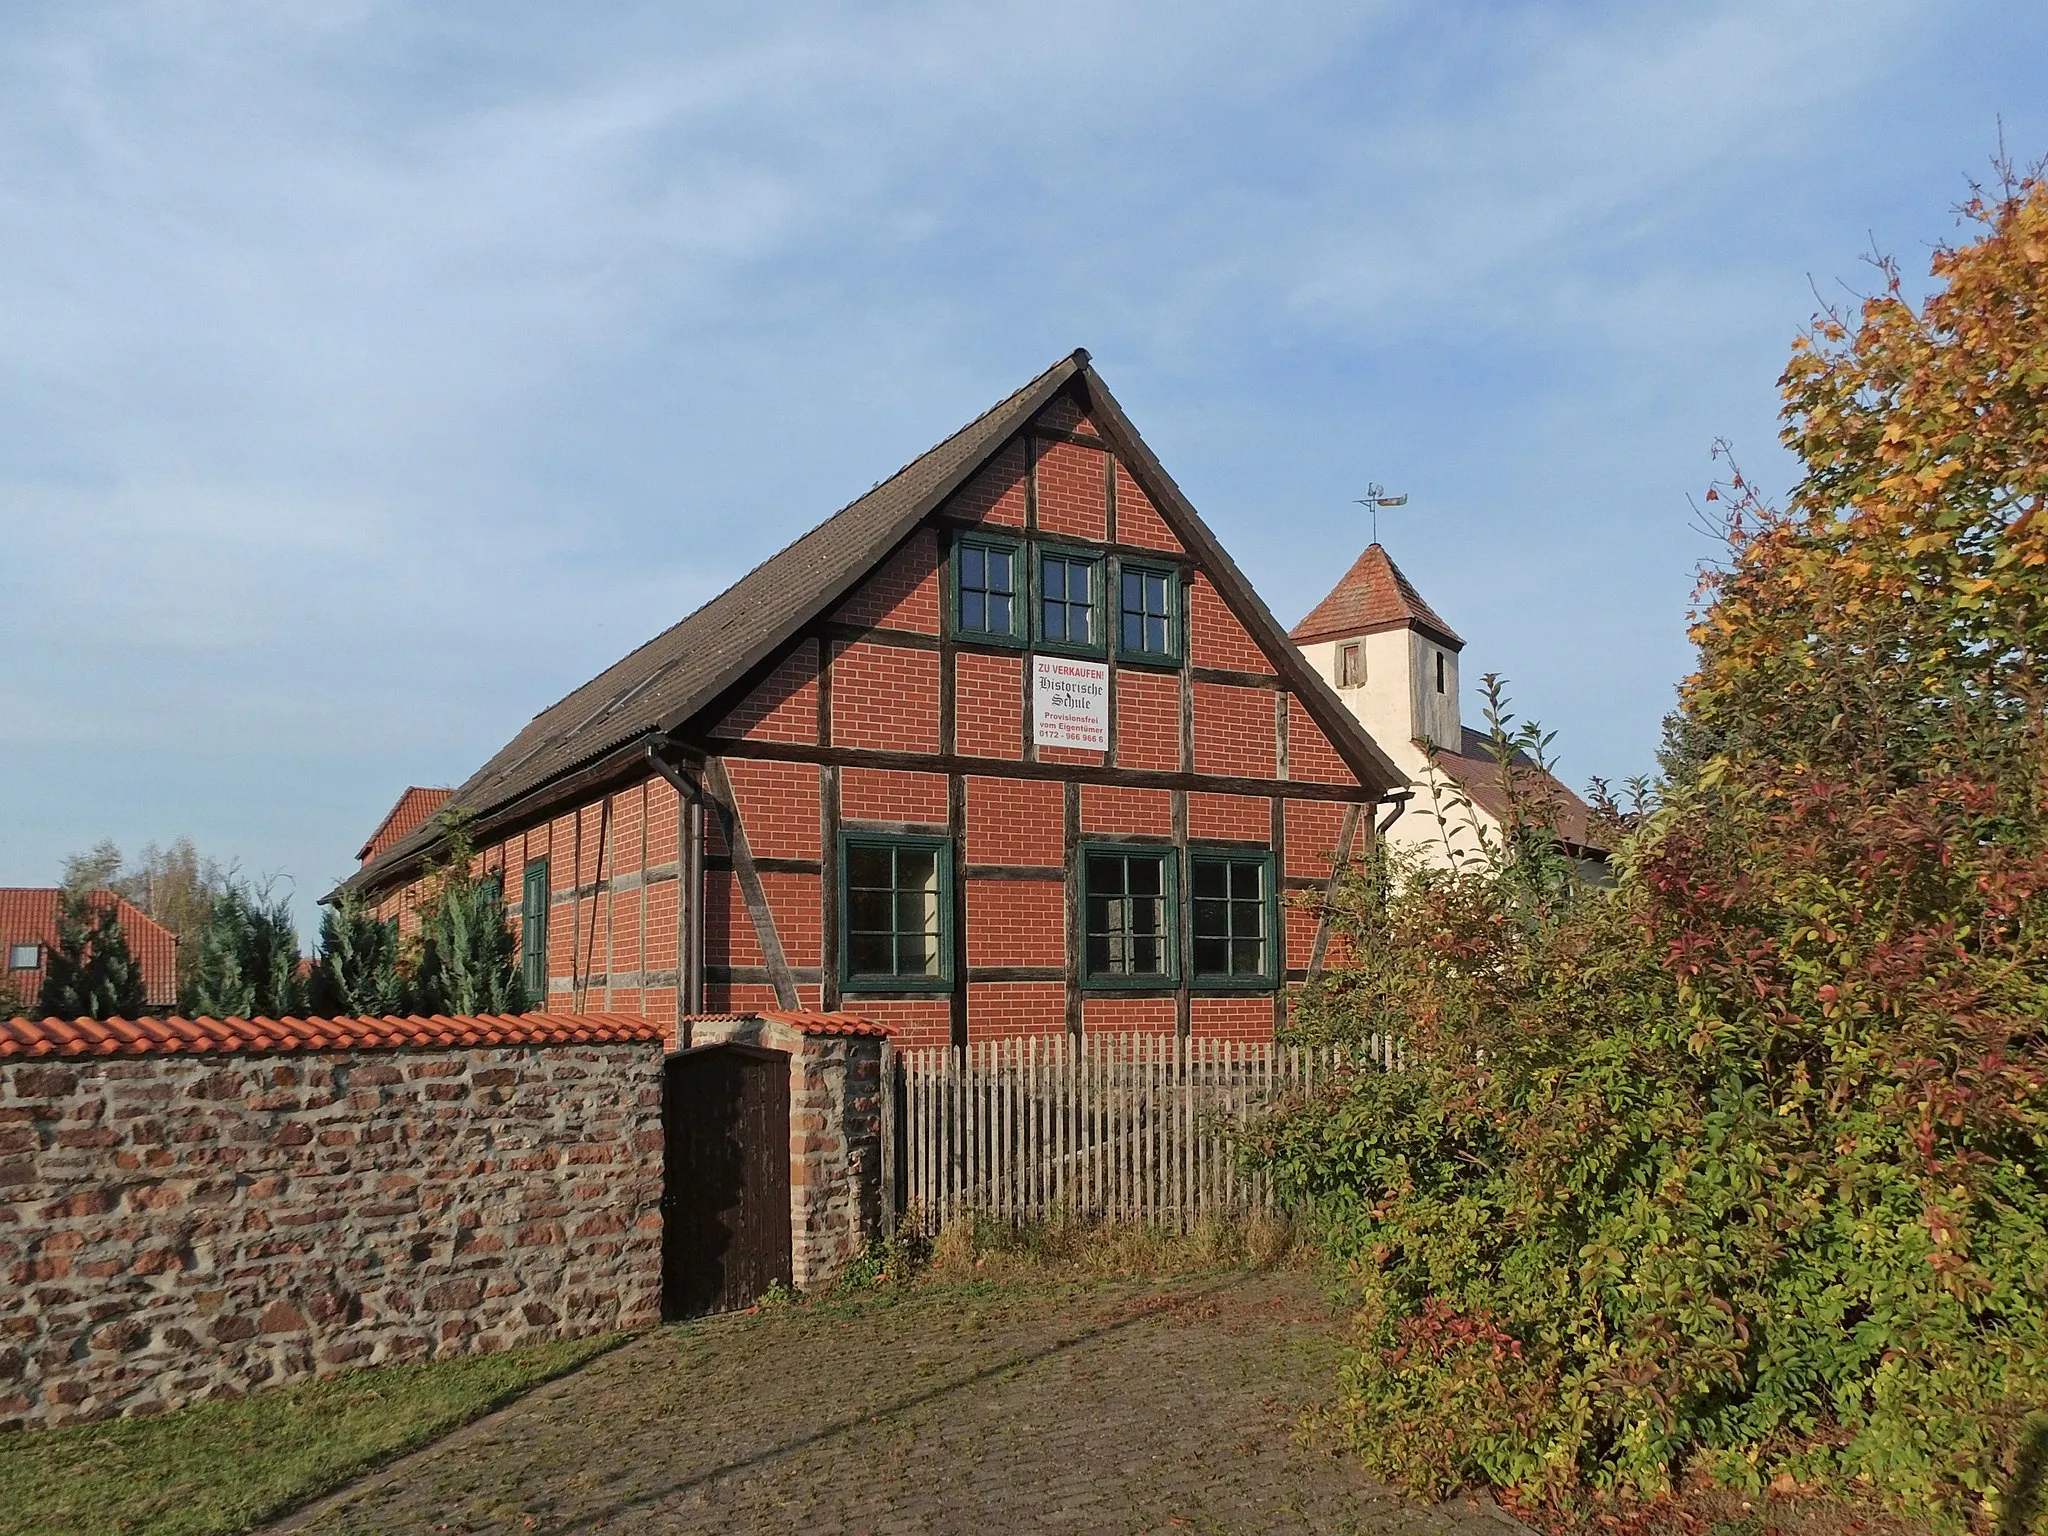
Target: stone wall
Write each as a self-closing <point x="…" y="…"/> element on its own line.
<point x="177" y="1226"/>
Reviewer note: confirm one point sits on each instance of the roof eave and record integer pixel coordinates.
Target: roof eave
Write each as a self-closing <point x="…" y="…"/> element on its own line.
<point x="1443" y="637"/>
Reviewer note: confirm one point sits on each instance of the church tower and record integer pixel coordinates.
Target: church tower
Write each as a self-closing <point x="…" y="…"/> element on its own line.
<point x="1389" y="656"/>
<point x="1394" y="663"/>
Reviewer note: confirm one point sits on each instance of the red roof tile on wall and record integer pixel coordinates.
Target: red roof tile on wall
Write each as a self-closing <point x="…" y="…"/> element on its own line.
<point x="180" y="1036"/>
<point x="803" y="1022"/>
<point x="28" y="915"/>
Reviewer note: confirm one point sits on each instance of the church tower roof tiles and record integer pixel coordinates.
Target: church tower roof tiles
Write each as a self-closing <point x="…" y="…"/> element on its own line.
<point x="1372" y="595"/>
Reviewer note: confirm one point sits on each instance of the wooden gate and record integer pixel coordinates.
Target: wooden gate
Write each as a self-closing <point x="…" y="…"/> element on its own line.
<point x="725" y="1234"/>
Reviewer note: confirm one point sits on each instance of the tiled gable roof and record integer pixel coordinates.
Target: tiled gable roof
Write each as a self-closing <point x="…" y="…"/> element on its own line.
<point x="664" y="684"/>
<point x="1372" y="595"/>
<point x="28" y="915"/>
<point x="412" y="810"/>
<point x="1475" y="771"/>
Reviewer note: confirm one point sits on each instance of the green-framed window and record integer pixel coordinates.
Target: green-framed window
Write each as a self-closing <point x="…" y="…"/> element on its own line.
<point x="1128" y="929"/>
<point x="533" y="933"/>
<point x="990" y="594"/>
<point x="1068" y="590"/>
<point x="896" y="912"/>
<point x="1234" y="933"/>
<point x="1147" y="612"/>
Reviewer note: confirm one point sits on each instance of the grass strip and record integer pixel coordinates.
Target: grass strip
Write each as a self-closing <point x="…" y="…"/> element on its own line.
<point x="229" y="1466"/>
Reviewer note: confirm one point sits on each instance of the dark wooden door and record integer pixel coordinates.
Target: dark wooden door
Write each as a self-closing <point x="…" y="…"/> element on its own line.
<point x="725" y="1179"/>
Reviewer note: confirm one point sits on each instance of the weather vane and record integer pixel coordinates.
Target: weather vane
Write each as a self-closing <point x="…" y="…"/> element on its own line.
<point x="1376" y="497"/>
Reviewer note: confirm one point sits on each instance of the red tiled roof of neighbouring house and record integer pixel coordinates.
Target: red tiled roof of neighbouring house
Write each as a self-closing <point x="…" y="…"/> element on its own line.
<point x="1476" y="772"/>
<point x="1372" y="595"/>
<point x="28" y="916"/>
<point x="412" y="810"/>
<point x="186" y="1037"/>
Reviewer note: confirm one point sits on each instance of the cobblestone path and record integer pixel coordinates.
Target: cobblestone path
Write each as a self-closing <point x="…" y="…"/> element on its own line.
<point x="1105" y="1407"/>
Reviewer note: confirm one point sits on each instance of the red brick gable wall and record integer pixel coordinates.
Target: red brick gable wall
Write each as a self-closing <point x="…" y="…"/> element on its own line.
<point x="903" y="594"/>
<point x="785" y="707"/>
<point x="1109" y="809"/>
<point x="1234" y="735"/>
<point x="1244" y="818"/>
<point x="1013" y="821"/>
<point x="885" y="697"/>
<point x="996" y="494"/>
<point x="988" y="705"/>
<point x="1137" y="520"/>
<point x="1073" y="491"/>
<point x="1147" y="719"/>
<point x="1216" y="638"/>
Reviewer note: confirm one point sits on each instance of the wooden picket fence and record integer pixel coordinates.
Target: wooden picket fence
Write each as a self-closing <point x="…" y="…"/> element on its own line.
<point x="1135" y="1127"/>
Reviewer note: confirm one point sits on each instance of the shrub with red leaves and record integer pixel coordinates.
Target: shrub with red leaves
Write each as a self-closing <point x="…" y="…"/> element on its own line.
<point x="1742" y="1166"/>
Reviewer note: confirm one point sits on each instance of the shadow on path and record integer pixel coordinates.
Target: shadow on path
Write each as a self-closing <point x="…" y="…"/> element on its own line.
<point x="1156" y="1305"/>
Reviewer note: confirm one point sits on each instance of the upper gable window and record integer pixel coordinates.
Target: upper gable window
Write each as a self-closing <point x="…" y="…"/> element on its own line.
<point x="1350" y="666"/>
<point x="1439" y="671"/>
<point x="1148" y="627"/>
<point x="1069" y="600"/>
<point x="988" y="604"/>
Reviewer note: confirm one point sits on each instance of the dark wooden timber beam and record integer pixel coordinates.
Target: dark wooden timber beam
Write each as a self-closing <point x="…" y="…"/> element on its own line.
<point x="718" y="792"/>
<point x="1071" y="773"/>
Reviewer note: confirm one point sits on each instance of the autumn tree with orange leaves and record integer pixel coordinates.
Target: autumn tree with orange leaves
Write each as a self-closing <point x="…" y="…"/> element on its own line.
<point x="1740" y="1170"/>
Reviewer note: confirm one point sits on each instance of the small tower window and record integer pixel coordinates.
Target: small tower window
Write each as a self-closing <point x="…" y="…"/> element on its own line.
<point x="1439" y="671"/>
<point x="1350" y="666"/>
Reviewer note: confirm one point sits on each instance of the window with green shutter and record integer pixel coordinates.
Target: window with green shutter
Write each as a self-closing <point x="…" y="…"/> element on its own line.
<point x="533" y="934"/>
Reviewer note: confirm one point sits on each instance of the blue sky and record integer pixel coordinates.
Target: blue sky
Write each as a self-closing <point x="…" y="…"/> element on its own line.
<point x="372" y="374"/>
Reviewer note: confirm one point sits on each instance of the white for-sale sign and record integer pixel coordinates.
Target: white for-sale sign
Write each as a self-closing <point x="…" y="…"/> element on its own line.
<point x="1070" y="703"/>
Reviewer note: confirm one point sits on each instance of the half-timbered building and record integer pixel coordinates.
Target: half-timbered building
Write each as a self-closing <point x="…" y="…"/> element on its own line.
<point x="1007" y="746"/>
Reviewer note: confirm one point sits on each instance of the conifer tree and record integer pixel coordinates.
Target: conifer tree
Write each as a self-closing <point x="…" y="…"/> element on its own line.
<point x="248" y="964"/>
<point x="91" y="974"/>
<point x="357" y="974"/>
<point x="467" y="959"/>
